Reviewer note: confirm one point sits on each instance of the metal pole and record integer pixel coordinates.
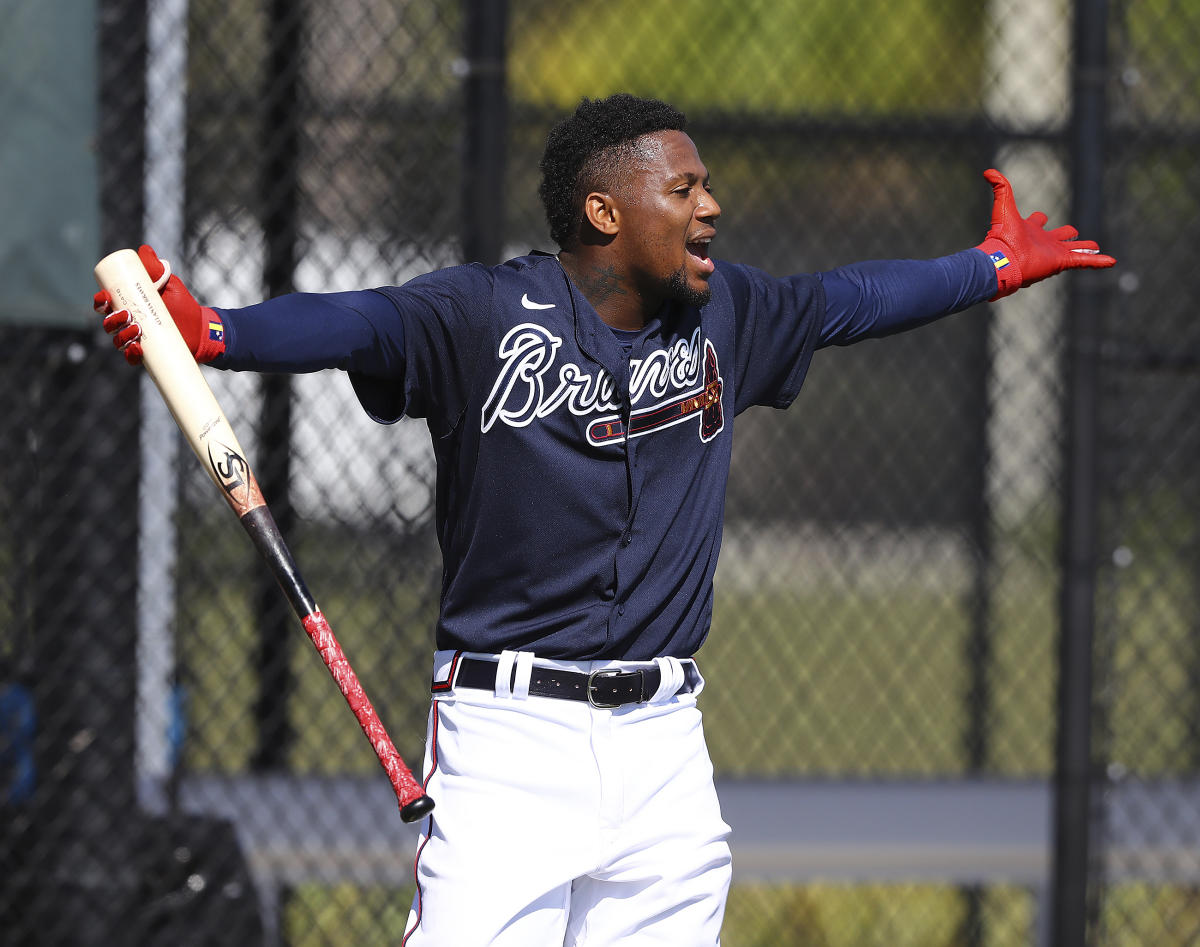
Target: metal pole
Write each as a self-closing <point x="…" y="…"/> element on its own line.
<point x="979" y="523"/>
<point x="1073" y="772"/>
<point x="979" y="657"/>
<point x="281" y="195"/>
<point x="158" y="493"/>
<point x="486" y="130"/>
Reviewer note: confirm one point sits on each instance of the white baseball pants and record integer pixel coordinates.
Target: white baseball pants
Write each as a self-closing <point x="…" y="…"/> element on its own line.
<point x="559" y="823"/>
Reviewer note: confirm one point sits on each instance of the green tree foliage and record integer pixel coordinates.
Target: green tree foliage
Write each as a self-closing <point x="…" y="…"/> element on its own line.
<point x="778" y="56"/>
<point x="1159" y="80"/>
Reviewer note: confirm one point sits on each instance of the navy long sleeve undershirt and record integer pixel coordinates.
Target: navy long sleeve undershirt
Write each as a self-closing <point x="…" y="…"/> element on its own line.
<point x="306" y="332"/>
<point x="880" y="298"/>
<point x="357" y="331"/>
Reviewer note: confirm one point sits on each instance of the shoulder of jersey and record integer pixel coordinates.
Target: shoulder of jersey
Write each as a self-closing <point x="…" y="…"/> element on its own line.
<point x="533" y="285"/>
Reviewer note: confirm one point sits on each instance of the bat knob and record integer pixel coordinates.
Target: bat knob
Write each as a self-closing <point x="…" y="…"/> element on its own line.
<point x="416" y="810"/>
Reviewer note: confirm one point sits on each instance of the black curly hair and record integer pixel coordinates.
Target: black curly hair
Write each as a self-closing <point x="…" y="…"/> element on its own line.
<point x="588" y="150"/>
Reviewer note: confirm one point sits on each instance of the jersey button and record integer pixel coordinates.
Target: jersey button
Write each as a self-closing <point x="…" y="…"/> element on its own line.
<point x="626" y="538"/>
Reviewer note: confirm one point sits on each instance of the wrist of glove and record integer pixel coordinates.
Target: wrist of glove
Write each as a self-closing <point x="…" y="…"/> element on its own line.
<point x="1023" y="251"/>
<point x="1008" y="270"/>
<point x="200" y="326"/>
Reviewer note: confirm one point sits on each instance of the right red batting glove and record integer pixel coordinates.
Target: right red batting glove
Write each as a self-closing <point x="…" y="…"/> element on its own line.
<point x="200" y="326"/>
<point x="1024" y="251"/>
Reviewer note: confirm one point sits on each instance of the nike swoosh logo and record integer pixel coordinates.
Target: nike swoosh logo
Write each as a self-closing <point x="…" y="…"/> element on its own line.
<point x="530" y="304"/>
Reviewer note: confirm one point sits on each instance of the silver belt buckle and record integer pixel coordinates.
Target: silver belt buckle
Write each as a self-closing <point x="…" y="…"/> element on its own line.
<point x="611" y="672"/>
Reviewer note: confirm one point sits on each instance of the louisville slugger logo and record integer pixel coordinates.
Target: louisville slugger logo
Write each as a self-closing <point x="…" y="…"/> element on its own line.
<point x="231" y="469"/>
<point x="680" y="380"/>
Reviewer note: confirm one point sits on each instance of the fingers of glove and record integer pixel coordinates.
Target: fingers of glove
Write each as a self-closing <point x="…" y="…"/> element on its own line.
<point x="1037" y="219"/>
<point x="129" y="333"/>
<point x="1063" y="234"/>
<point x="1060" y="249"/>
<point x="129" y="341"/>
<point x="166" y="275"/>
<point x="115" y="321"/>
<point x="998" y="181"/>
<point x="126" y="336"/>
<point x="155" y="268"/>
<point x="1004" y="205"/>
<point x="102" y="303"/>
<point x="1083" y="257"/>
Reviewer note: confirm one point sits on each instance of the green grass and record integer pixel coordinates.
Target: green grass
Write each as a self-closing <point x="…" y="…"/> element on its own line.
<point x="871" y="915"/>
<point x="345" y="915"/>
<point x="816" y="915"/>
<point x="758" y="915"/>
<point x="829" y="683"/>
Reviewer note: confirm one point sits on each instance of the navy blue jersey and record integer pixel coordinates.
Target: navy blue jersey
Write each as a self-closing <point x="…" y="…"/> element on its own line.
<point x="581" y="473"/>
<point x="581" y="487"/>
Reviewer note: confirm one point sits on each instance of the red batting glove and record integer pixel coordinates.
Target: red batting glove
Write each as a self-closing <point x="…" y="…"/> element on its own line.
<point x="1023" y="251"/>
<point x="200" y="326"/>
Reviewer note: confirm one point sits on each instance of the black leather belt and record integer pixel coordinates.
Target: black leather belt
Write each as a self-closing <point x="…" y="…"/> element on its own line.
<point x="609" y="688"/>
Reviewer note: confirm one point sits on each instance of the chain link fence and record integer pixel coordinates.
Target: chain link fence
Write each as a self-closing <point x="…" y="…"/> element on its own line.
<point x="902" y="547"/>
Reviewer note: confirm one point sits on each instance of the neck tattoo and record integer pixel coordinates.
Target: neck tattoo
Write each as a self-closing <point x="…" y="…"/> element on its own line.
<point x="601" y="283"/>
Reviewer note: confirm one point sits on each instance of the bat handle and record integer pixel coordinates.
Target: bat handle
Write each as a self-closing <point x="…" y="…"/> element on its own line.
<point x="414" y="804"/>
<point x="261" y="527"/>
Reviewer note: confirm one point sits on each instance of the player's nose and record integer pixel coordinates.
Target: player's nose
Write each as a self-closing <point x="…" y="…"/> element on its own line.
<point x="708" y="208"/>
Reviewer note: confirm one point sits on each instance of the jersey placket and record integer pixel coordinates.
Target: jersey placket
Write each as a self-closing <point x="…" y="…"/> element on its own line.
<point x="598" y="343"/>
<point x="634" y="481"/>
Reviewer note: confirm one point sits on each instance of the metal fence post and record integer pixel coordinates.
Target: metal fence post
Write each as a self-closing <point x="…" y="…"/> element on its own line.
<point x="281" y="139"/>
<point x="486" y="107"/>
<point x="1073" y="770"/>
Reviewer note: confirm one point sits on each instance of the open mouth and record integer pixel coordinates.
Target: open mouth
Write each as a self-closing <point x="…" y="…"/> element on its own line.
<point x="698" y="250"/>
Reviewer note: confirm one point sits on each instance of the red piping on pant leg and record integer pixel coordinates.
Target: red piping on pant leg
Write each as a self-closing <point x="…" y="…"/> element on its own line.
<point x="429" y="826"/>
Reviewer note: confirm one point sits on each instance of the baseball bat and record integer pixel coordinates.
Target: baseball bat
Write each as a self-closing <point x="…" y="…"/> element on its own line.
<point x="174" y="371"/>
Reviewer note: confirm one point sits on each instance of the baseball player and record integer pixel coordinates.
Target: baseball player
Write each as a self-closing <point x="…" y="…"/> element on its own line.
<point x="581" y="407"/>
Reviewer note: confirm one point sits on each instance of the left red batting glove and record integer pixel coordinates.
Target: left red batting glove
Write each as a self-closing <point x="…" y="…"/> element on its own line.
<point x="1021" y="248"/>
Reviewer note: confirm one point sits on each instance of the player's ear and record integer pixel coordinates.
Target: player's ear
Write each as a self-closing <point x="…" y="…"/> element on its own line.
<point x="600" y="210"/>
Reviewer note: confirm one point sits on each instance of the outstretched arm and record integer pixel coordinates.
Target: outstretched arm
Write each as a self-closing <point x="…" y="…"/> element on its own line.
<point x="299" y="332"/>
<point x="879" y="298"/>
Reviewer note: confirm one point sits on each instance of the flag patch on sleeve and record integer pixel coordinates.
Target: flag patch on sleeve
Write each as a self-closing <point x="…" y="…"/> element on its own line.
<point x="216" y="331"/>
<point x="999" y="260"/>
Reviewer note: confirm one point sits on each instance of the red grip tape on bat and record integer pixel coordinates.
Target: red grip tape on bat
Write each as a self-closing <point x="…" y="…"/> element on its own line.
<point x="402" y="779"/>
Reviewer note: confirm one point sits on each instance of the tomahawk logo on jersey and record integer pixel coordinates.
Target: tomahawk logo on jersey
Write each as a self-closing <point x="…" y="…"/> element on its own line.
<point x="665" y="388"/>
<point x="705" y="400"/>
